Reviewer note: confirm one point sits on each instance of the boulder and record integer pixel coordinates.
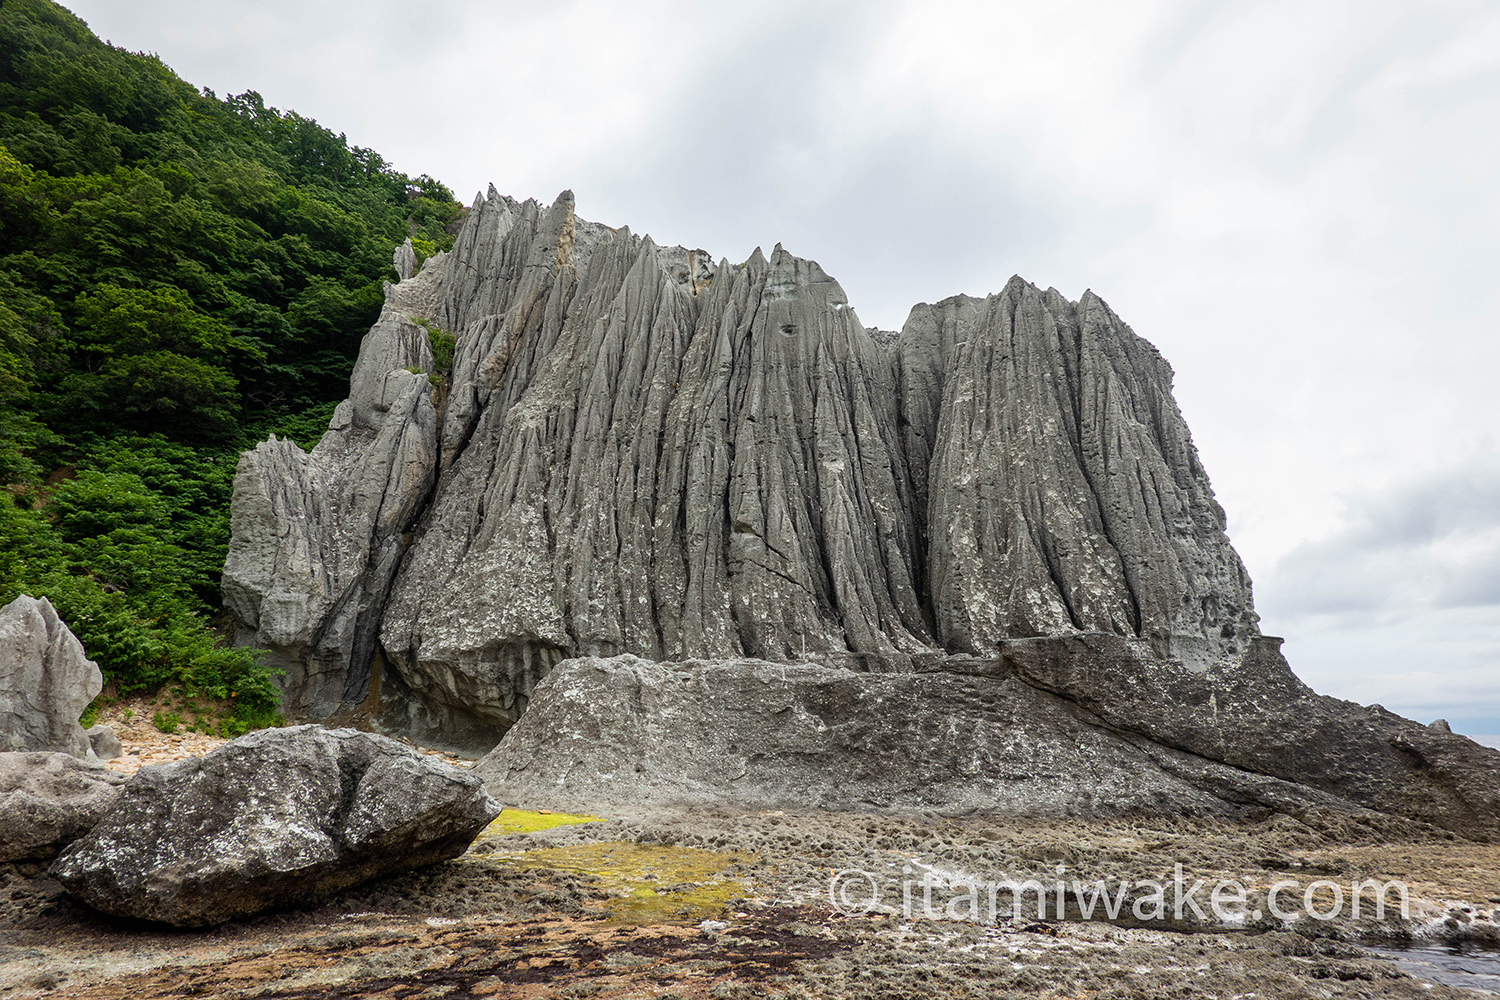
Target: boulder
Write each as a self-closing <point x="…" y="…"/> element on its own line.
<point x="49" y="800"/>
<point x="106" y="745"/>
<point x="46" y="680"/>
<point x="273" y="819"/>
<point x="981" y="733"/>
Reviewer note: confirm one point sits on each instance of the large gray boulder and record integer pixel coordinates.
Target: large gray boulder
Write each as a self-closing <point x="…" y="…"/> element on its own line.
<point x="46" y="680"/>
<point x="48" y="800"/>
<point x="272" y="819"/>
<point x="971" y="733"/>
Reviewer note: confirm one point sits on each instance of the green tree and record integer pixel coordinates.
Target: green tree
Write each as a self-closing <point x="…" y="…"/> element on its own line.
<point x="179" y="275"/>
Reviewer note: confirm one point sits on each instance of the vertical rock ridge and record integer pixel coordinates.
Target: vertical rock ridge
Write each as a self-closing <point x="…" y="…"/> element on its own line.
<point x="1062" y="489"/>
<point x="316" y="537"/>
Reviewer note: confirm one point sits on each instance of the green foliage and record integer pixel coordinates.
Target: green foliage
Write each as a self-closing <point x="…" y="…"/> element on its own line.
<point x="443" y="344"/>
<point x="166" y="722"/>
<point x="179" y="276"/>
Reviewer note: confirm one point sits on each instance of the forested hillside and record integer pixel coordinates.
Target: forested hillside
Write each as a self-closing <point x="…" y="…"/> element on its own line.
<point x="179" y="275"/>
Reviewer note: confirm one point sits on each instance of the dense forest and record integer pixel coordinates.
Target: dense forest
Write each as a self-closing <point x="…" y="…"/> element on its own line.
<point x="180" y="275"/>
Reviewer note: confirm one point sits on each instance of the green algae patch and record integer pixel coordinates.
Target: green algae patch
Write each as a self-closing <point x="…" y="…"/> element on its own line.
<point x="524" y="821"/>
<point x="652" y="884"/>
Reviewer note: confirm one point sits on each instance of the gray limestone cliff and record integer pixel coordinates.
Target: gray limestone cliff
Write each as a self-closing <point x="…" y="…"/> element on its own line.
<point x="1057" y="483"/>
<point x="641" y="451"/>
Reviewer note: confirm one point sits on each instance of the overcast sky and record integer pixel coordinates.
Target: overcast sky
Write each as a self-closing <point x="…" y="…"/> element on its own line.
<point x="1297" y="203"/>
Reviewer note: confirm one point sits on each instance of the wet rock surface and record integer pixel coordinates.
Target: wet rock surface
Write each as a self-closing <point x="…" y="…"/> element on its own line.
<point x="273" y="819"/>
<point x="49" y="800"/>
<point x="46" y="680"/>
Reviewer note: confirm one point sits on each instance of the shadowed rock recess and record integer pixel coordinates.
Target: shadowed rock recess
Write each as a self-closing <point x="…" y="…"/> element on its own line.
<point x="641" y="453"/>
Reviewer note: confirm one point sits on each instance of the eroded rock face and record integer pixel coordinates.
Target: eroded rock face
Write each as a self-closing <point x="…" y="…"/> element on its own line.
<point x="646" y="452"/>
<point x="653" y="455"/>
<point x="317" y="536"/>
<point x="1027" y="732"/>
<point x="642" y="452"/>
<point x="1058" y="488"/>
<point x="270" y="820"/>
<point x="46" y="680"/>
<point x="49" y="800"/>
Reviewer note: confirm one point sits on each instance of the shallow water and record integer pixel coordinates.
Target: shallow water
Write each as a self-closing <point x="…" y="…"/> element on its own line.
<point x="1460" y="964"/>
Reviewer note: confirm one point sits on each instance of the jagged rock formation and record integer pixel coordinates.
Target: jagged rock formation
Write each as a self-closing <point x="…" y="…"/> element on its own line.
<point x="318" y="536"/>
<point x="272" y="819"/>
<point x="641" y="451"/>
<point x="1058" y="482"/>
<point x="646" y="452"/>
<point x="46" y="680"/>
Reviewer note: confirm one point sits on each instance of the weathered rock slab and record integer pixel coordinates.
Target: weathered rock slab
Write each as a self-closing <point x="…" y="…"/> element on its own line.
<point x="273" y="819"/>
<point x="46" y="680"/>
<point x="48" y="800"/>
<point x="981" y="734"/>
<point x="764" y="735"/>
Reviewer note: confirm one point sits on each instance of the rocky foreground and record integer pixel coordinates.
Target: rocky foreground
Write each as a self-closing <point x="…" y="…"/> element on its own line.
<point x="727" y="903"/>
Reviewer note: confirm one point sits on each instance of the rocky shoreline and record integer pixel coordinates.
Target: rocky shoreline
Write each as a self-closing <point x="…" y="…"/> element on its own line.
<point x="726" y="903"/>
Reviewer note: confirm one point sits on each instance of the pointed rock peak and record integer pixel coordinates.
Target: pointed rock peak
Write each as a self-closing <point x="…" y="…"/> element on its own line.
<point x="757" y="259"/>
<point x="404" y="260"/>
<point x="1090" y="304"/>
<point x="560" y="212"/>
<point x="479" y="199"/>
<point x="493" y="195"/>
<point x="559" y="226"/>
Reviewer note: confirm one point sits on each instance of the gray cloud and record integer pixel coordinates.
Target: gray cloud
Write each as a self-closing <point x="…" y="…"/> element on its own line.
<point x="1430" y="543"/>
